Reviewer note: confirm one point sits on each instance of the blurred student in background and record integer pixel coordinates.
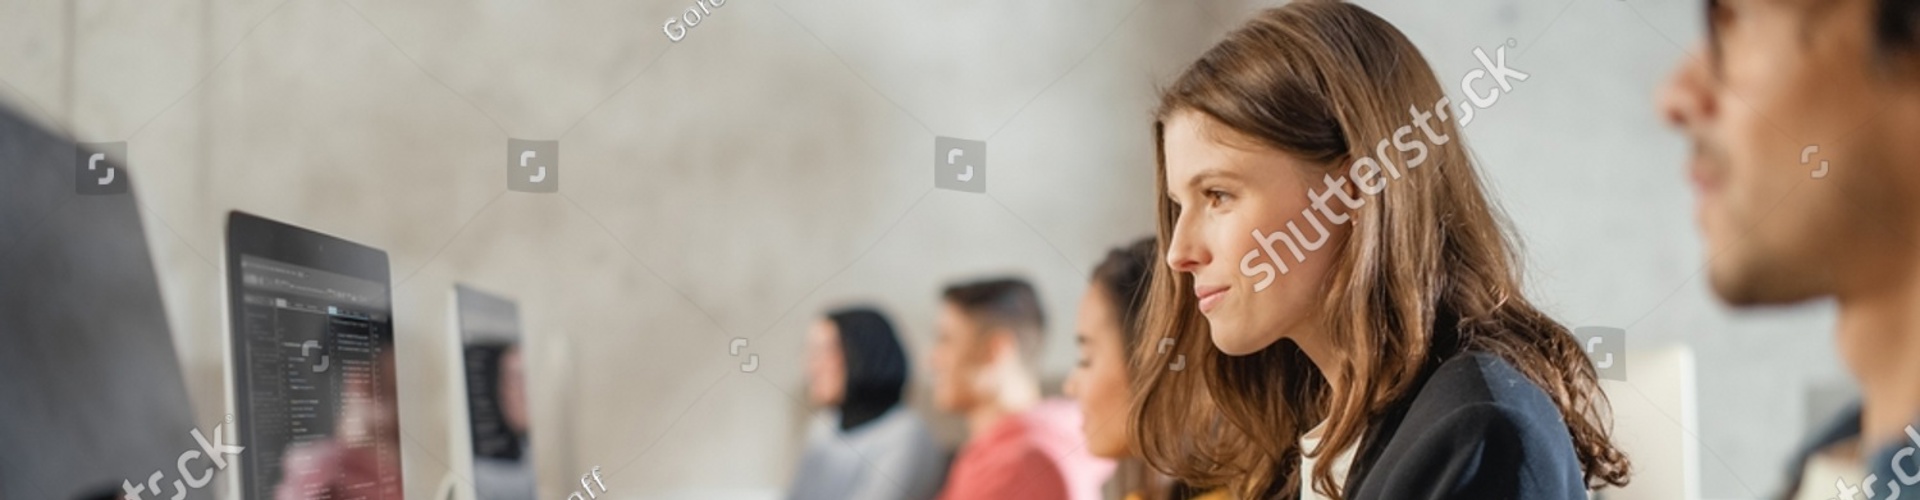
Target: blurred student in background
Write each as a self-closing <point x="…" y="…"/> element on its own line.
<point x="1786" y="223"/>
<point x="986" y="366"/>
<point x="1343" y="291"/>
<point x="863" y="444"/>
<point x="1108" y="331"/>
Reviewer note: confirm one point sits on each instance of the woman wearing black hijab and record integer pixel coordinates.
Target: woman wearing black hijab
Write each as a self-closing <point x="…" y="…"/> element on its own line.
<point x="862" y="444"/>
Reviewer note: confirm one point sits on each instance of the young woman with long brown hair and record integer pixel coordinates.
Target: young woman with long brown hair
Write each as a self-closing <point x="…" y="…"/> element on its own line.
<point x="1341" y="294"/>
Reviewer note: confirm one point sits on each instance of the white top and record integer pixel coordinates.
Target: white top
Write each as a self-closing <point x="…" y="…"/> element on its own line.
<point x="1341" y="462"/>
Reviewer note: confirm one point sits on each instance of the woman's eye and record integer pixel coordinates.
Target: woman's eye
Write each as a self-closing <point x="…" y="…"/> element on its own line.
<point x="1217" y="196"/>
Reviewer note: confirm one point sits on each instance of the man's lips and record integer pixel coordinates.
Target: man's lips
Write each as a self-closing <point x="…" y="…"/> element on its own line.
<point x="1706" y="168"/>
<point x="1209" y="296"/>
<point x="1704" y="180"/>
<point x="1707" y="180"/>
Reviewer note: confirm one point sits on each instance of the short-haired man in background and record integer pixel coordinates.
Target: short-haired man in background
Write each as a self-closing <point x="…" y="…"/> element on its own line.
<point x="986" y="366"/>
<point x="1786" y="223"/>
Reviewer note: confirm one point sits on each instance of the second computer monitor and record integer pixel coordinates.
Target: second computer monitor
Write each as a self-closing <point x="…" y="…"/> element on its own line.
<point x="497" y="401"/>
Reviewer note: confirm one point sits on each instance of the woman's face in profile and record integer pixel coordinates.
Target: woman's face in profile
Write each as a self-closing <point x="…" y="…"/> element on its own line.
<point x="826" y="371"/>
<point x="1228" y="187"/>
<point x="1099" y="380"/>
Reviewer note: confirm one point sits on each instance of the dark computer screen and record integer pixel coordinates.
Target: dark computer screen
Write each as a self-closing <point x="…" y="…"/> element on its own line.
<point x="497" y="409"/>
<point x="91" y="392"/>
<point x="314" y="376"/>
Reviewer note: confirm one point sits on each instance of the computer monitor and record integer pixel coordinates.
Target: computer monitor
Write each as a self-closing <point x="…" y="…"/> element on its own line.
<point x="91" y="392"/>
<point x="1656" y="422"/>
<point x="313" y="380"/>
<point x="494" y="365"/>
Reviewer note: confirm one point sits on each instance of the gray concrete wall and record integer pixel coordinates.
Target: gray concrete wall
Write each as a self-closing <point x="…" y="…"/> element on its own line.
<point x="774" y="163"/>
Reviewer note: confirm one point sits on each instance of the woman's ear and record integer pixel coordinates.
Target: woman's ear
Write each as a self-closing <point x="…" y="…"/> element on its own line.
<point x="1338" y="169"/>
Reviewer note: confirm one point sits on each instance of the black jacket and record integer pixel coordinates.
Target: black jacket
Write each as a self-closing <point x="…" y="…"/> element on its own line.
<point x="1474" y="429"/>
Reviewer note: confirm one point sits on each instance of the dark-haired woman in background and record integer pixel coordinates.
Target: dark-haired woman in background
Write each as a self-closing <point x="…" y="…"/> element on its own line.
<point x="1109" y="330"/>
<point x="863" y="444"/>
<point x="1344" y="293"/>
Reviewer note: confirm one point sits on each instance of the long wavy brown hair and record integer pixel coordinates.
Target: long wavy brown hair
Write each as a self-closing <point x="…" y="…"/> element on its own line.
<point x="1325" y="81"/>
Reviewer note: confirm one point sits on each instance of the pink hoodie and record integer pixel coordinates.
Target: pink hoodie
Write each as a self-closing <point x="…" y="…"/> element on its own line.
<point x="1036" y="455"/>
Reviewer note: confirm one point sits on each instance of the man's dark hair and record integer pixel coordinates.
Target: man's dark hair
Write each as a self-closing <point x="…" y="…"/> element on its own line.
<point x="1899" y="25"/>
<point x="1896" y="27"/>
<point x="1005" y="303"/>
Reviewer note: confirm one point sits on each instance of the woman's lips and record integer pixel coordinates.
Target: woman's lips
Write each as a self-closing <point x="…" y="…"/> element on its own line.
<point x="1209" y="297"/>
